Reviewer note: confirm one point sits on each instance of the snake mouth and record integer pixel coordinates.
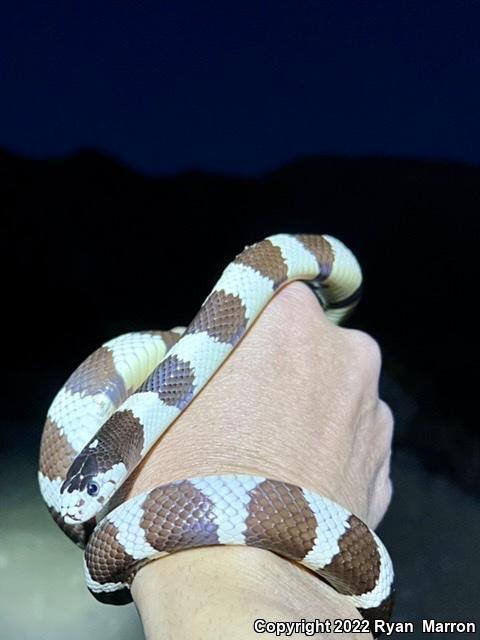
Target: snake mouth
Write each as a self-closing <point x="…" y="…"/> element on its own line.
<point x="69" y="519"/>
<point x="72" y="509"/>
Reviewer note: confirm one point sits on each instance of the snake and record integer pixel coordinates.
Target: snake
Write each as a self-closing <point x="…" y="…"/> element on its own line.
<point x="122" y="398"/>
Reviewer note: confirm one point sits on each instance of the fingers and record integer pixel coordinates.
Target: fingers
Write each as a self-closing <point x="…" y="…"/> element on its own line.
<point x="365" y="356"/>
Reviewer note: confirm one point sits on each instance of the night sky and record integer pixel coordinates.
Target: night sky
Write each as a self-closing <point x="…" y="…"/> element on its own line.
<point x="240" y="87"/>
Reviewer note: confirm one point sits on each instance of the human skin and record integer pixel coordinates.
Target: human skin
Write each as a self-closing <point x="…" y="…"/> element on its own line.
<point x="297" y="401"/>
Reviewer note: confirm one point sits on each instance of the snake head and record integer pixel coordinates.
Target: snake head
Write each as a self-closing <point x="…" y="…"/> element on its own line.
<point x="86" y="489"/>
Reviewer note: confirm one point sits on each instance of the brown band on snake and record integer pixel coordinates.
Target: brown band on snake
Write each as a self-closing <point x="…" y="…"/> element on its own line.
<point x="358" y="557"/>
<point x="267" y="259"/>
<point x="109" y="557"/>
<point x="123" y="439"/>
<point x="168" y="513"/>
<point x="97" y="374"/>
<point x="275" y="511"/>
<point x="173" y="380"/>
<point x="222" y="316"/>
<point x="322" y="251"/>
<point x="56" y="453"/>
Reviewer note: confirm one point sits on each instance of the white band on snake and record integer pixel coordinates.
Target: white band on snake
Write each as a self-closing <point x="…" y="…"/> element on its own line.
<point x="119" y="402"/>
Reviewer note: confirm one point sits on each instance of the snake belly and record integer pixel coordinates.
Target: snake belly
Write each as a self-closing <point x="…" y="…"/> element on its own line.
<point x="121" y="400"/>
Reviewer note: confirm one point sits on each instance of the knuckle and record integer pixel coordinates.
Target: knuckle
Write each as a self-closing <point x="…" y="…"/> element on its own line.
<point x="385" y="431"/>
<point x="386" y="416"/>
<point x="366" y="349"/>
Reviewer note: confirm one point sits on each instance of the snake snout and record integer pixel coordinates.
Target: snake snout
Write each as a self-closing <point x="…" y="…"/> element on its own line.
<point x="71" y="508"/>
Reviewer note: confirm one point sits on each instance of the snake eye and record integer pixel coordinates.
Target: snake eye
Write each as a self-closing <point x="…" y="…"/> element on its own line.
<point x="92" y="488"/>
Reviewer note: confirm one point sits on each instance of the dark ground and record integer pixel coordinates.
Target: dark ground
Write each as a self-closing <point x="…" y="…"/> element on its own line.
<point x="84" y="238"/>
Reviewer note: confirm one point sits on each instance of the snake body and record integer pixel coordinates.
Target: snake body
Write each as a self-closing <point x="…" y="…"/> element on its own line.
<point x="118" y="403"/>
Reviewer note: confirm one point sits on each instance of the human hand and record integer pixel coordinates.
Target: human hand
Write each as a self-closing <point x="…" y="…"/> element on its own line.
<point x="297" y="401"/>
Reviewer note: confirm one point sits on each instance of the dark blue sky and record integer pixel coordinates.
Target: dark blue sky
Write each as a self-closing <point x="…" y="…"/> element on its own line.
<point x="240" y="87"/>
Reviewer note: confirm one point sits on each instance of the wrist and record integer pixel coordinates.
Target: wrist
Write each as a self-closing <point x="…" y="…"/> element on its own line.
<point x="219" y="592"/>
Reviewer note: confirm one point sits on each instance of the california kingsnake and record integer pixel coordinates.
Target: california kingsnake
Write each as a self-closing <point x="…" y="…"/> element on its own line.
<point x="118" y="402"/>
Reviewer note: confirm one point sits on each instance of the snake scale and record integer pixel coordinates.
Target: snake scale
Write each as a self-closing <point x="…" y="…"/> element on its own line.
<point x="121" y="399"/>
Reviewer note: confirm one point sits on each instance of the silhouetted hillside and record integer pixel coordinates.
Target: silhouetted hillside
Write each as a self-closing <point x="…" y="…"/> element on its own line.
<point x="92" y="249"/>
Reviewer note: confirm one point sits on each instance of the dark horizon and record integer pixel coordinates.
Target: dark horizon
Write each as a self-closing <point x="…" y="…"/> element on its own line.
<point x="91" y="154"/>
